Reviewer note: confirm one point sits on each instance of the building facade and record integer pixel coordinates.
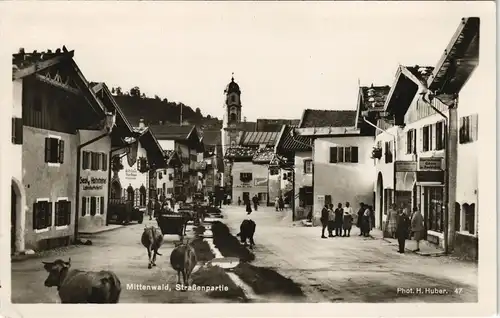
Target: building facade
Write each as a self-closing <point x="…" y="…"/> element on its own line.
<point x="56" y="113"/>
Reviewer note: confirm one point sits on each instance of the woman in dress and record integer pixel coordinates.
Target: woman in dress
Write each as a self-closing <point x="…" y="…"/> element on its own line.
<point x="417" y="228"/>
<point x="347" y="221"/>
<point x="367" y="221"/>
<point x="392" y="220"/>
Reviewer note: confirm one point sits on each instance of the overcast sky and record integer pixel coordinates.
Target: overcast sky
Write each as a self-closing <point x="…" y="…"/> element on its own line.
<point x="285" y="56"/>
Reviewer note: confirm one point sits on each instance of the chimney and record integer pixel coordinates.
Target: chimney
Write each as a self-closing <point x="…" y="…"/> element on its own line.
<point x="141" y="123"/>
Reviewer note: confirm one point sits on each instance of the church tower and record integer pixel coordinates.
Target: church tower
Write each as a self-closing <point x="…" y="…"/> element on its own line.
<point x="232" y="114"/>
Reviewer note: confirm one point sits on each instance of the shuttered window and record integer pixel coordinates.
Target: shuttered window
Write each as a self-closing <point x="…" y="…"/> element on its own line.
<point x="425" y="138"/>
<point x="308" y="166"/>
<point x="54" y="150"/>
<point x="101" y="210"/>
<point x="104" y="165"/>
<point x="468" y="129"/>
<point x="93" y="205"/>
<point x="344" y="154"/>
<point x="94" y="161"/>
<point x="86" y="160"/>
<point x="42" y="215"/>
<point x="411" y="138"/>
<point x="62" y="213"/>
<point x="17" y="131"/>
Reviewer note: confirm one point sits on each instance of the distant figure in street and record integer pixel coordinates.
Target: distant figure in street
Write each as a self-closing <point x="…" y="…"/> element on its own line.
<point x="366" y="221"/>
<point x="239" y="201"/>
<point x="339" y="213"/>
<point x="151" y="206"/>
<point x="248" y="207"/>
<point x="255" y="201"/>
<point x="281" y="203"/>
<point x="331" y="220"/>
<point x="402" y="231"/>
<point x="157" y="209"/>
<point x="228" y="199"/>
<point x="347" y="219"/>
<point x="417" y="228"/>
<point x="359" y="221"/>
<point x="276" y="204"/>
<point x="392" y="220"/>
<point x="324" y="220"/>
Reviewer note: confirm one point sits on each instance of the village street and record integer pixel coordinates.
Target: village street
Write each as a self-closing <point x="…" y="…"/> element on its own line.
<point x="351" y="269"/>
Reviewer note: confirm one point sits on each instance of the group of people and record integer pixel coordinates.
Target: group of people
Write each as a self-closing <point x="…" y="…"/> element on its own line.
<point x="402" y="226"/>
<point x="341" y="220"/>
<point x="279" y="203"/>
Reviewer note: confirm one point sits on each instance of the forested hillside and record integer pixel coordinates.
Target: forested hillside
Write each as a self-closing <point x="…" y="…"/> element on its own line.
<point x="156" y="110"/>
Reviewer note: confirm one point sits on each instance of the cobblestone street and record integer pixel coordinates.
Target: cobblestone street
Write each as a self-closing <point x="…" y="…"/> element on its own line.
<point x="354" y="269"/>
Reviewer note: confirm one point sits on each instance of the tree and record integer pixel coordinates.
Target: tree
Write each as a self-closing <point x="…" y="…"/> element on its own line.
<point x="119" y="91"/>
<point x="165" y="100"/>
<point x="157" y="97"/>
<point x="135" y="91"/>
<point x="112" y="90"/>
<point x="209" y="117"/>
<point x="198" y="112"/>
<point x="143" y="95"/>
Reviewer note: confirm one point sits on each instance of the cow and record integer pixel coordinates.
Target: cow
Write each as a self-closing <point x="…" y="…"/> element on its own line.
<point x="247" y="230"/>
<point x="79" y="287"/>
<point x="152" y="238"/>
<point x="183" y="260"/>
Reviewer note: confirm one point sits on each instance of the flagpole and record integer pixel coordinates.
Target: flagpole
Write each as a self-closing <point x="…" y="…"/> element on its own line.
<point x="181" y="114"/>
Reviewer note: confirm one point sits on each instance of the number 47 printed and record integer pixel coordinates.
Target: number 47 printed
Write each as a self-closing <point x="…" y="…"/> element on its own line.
<point x="458" y="290"/>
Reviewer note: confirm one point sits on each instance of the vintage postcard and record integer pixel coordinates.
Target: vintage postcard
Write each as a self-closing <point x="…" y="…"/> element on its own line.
<point x="252" y="158"/>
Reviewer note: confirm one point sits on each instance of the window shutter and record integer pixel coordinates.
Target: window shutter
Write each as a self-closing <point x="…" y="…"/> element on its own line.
<point x="414" y="141"/>
<point x="17" y="130"/>
<point x="333" y="154"/>
<point x="432" y="133"/>
<point x="420" y="139"/>
<point x="49" y="214"/>
<point x="67" y="213"/>
<point x="408" y="141"/>
<point x="93" y="205"/>
<point x="57" y="212"/>
<point x="35" y="214"/>
<point x="104" y="162"/>
<point x="474" y="127"/>
<point x="354" y="154"/>
<point x="84" y="206"/>
<point x="61" y="151"/>
<point x="13" y="127"/>
<point x="47" y="149"/>
<point x="304" y="163"/>
<point x="102" y="205"/>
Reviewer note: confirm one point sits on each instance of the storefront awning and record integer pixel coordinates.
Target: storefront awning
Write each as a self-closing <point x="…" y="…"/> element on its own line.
<point x="405" y="181"/>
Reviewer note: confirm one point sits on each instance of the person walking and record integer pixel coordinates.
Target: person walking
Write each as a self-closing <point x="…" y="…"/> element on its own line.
<point x="366" y="224"/>
<point x="417" y="228"/>
<point x="391" y="223"/>
<point x="248" y="207"/>
<point x="151" y="206"/>
<point x="255" y="202"/>
<point x="277" y="204"/>
<point x="323" y="219"/>
<point x="402" y="231"/>
<point x="331" y="220"/>
<point x="281" y="203"/>
<point x="359" y="221"/>
<point x="339" y="213"/>
<point x="347" y="220"/>
<point x="239" y="201"/>
<point x="157" y="209"/>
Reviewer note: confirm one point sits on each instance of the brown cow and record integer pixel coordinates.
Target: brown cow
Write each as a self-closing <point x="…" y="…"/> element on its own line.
<point x="79" y="287"/>
<point x="183" y="260"/>
<point x="152" y="238"/>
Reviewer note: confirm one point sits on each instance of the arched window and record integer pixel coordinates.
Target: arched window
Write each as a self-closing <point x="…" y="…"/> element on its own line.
<point x="469" y="215"/>
<point x="232" y="117"/>
<point x="233" y="98"/>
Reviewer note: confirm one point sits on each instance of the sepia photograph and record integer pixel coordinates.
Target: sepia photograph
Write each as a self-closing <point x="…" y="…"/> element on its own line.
<point x="249" y="153"/>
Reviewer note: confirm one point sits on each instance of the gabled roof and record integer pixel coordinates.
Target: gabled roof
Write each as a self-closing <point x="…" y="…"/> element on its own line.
<point x="172" y="132"/>
<point x="170" y="156"/>
<point x="153" y="148"/>
<point x="26" y="64"/>
<point x="263" y="156"/>
<point x="256" y="138"/>
<point x="288" y="143"/>
<point x="328" y="118"/>
<point x="274" y="124"/>
<point x="422" y="73"/>
<point x="101" y="90"/>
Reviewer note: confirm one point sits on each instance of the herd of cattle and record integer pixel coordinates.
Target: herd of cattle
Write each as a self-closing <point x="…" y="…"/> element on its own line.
<point x="77" y="286"/>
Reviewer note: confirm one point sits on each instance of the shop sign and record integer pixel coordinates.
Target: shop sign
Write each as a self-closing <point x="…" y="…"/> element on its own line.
<point x="260" y="182"/>
<point x="130" y="173"/>
<point x="92" y="183"/>
<point x="430" y="177"/>
<point x="406" y="166"/>
<point x="433" y="163"/>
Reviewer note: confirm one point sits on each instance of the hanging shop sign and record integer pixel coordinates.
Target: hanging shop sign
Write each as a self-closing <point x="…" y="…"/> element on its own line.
<point x="92" y="183"/>
<point x="406" y="166"/>
<point x="130" y="173"/>
<point x="260" y="182"/>
<point x="432" y="163"/>
<point x="430" y="177"/>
